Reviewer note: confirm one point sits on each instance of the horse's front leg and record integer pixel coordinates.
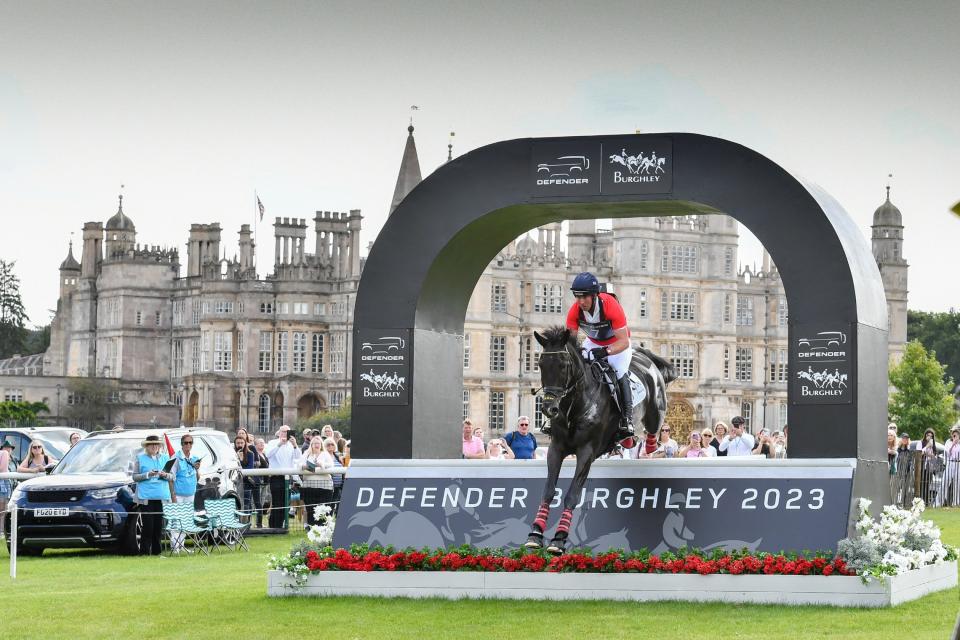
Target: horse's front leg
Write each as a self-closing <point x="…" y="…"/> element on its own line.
<point x="585" y="457"/>
<point x="554" y="462"/>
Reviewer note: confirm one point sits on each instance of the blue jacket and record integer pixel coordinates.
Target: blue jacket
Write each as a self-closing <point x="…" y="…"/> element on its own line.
<point x="153" y="488"/>
<point x="185" y="483"/>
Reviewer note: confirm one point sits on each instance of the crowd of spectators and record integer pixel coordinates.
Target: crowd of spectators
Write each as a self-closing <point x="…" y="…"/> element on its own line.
<point x="720" y="441"/>
<point x="924" y="468"/>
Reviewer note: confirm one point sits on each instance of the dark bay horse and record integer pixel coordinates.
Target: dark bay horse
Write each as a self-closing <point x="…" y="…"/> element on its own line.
<point x="584" y="418"/>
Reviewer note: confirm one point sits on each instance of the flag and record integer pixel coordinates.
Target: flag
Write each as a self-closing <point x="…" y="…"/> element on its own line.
<point x="166" y="438"/>
<point x="260" y="208"/>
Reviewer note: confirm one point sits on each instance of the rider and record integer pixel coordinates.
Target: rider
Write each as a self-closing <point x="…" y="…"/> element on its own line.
<point x="603" y="320"/>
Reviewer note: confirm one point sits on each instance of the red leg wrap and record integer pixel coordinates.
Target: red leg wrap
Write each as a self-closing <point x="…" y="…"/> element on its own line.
<point x="565" y="520"/>
<point x="542" y="514"/>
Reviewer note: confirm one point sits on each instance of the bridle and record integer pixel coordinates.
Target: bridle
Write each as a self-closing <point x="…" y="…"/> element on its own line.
<point x="557" y="394"/>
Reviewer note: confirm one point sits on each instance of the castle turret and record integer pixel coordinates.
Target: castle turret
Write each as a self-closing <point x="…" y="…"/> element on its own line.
<point x="92" y="254"/>
<point x="246" y="248"/>
<point x="887" y="241"/>
<point x="121" y="234"/>
<point x="69" y="273"/>
<point x="203" y="247"/>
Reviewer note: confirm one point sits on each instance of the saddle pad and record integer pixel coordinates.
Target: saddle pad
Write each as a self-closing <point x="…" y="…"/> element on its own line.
<point x="637" y="389"/>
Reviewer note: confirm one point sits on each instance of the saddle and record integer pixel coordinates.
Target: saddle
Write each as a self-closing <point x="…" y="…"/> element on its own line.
<point x="637" y="389"/>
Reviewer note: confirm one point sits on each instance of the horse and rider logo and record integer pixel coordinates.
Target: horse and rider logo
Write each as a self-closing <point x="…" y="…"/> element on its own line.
<point x="385" y="381"/>
<point x="640" y="164"/>
<point x="824" y="379"/>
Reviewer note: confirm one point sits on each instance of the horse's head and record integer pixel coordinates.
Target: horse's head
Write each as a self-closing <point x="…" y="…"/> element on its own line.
<point x="559" y="364"/>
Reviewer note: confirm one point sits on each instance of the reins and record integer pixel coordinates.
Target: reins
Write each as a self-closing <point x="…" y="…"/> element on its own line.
<point x="559" y="393"/>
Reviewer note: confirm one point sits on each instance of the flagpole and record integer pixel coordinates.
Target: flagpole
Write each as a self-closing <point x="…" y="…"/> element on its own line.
<point x="256" y="209"/>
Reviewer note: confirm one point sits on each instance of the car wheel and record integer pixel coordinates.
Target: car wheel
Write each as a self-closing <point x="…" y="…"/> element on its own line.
<point x="133" y="535"/>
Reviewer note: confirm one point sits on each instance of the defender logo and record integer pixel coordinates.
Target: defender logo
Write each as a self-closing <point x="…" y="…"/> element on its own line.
<point x="826" y="344"/>
<point x="384" y="346"/>
<point x="385" y="349"/>
<point x="640" y="168"/>
<point x="563" y="170"/>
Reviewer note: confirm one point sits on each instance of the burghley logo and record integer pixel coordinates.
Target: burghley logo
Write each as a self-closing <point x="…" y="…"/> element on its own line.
<point x="823" y="345"/>
<point x="386" y="349"/>
<point x="825" y="383"/>
<point x="564" y="170"/>
<point x="384" y="385"/>
<point x="639" y="167"/>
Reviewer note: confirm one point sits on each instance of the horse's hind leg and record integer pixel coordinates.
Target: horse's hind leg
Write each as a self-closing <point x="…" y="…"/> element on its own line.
<point x="554" y="462"/>
<point x="585" y="458"/>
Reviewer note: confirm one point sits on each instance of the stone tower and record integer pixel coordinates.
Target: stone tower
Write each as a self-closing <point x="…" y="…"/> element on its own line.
<point x="69" y="273"/>
<point x="121" y="234"/>
<point x="887" y="240"/>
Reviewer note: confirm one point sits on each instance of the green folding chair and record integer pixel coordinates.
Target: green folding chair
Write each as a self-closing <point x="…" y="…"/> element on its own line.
<point x="225" y="520"/>
<point x="180" y="518"/>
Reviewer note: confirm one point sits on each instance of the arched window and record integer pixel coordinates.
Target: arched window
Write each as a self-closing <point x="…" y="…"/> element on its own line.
<point x="263" y="413"/>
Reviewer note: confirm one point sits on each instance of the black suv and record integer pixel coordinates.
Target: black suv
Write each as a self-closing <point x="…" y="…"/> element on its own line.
<point x="88" y="500"/>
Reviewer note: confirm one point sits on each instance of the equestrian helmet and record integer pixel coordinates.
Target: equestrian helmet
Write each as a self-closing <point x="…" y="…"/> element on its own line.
<point x="585" y="282"/>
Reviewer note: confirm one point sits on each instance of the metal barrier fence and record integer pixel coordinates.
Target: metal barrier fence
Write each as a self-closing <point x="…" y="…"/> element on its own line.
<point x="931" y="478"/>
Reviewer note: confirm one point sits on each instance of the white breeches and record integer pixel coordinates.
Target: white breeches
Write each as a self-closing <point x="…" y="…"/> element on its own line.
<point x="620" y="362"/>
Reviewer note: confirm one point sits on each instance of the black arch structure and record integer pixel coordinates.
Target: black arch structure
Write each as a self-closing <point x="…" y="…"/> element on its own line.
<point x="426" y="261"/>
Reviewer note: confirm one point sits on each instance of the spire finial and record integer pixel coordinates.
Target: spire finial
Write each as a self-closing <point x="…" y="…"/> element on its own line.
<point x="889" y="176"/>
<point x="120" y="197"/>
<point x="450" y="146"/>
<point x="413" y="108"/>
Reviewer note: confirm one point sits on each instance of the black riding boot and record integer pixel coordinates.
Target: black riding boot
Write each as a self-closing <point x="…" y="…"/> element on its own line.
<point x="626" y="405"/>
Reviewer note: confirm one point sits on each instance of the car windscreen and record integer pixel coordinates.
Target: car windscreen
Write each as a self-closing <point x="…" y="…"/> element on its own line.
<point x="100" y="455"/>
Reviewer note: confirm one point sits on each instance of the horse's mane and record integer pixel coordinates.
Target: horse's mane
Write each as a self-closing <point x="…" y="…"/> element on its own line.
<point x="555" y="335"/>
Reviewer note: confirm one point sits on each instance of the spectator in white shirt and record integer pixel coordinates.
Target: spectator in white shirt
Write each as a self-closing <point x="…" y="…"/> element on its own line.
<point x="498" y="450"/>
<point x="738" y="442"/>
<point x="706" y="439"/>
<point x="282" y="453"/>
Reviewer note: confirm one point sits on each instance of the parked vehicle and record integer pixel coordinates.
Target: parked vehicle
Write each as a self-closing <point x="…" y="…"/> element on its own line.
<point x="88" y="499"/>
<point x="56" y="440"/>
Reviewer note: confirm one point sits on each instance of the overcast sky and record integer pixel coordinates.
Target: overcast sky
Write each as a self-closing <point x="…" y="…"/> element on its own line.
<point x="193" y="106"/>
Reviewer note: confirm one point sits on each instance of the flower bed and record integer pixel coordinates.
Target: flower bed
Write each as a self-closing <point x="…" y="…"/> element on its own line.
<point x="361" y="558"/>
<point x="901" y="551"/>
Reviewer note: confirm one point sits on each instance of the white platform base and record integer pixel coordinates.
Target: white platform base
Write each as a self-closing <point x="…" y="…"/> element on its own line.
<point x="841" y="591"/>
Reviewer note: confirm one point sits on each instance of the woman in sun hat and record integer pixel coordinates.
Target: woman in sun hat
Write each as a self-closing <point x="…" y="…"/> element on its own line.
<point x="153" y="489"/>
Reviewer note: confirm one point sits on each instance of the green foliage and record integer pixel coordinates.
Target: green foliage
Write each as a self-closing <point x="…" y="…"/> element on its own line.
<point x="23" y="414"/>
<point x="38" y="339"/>
<point x="940" y="333"/>
<point x="921" y="399"/>
<point x="339" y="419"/>
<point x="13" y="317"/>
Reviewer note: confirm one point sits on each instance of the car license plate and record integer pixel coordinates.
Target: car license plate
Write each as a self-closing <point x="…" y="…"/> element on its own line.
<point x="52" y="512"/>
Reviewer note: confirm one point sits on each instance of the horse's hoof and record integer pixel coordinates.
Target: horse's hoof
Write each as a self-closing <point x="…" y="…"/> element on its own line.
<point x="534" y="541"/>
<point x="555" y="550"/>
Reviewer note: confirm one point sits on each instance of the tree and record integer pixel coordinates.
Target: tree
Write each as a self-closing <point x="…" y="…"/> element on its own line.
<point x="38" y="339"/>
<point x="89" y="401"/>
<point x="339" y="419"/>
<point x="922" y="399"/>
<point x="939" y="332"/>
<point x="13" y="317"/>
<point x="21" y="414"/>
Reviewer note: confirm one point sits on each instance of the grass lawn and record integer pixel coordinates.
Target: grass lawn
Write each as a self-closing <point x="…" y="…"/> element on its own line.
<point x="94" y="595"/>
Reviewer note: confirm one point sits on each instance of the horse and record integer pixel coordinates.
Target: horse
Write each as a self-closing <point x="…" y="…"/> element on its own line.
<point x="584" y="418"/>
